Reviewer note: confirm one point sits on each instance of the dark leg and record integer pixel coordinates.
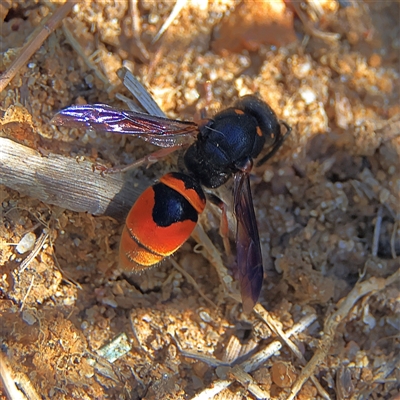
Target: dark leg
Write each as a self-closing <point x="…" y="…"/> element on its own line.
<point x="224" y="226"/>
<point x="147" y="161"/>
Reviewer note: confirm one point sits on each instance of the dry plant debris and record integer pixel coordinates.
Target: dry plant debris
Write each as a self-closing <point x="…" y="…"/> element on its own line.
<point x="327" y="204"/>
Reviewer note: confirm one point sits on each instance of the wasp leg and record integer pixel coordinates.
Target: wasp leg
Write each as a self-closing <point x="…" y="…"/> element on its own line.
<point x="146" y="161"/>
<point x="223" y="227"/>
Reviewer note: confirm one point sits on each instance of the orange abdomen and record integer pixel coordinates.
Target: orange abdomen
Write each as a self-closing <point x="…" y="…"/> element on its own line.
<point x="160" y="221"/>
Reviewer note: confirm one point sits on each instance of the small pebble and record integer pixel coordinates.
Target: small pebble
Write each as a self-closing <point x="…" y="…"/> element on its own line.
<point x="26" y="243"/>
<point x="28" y="317"/>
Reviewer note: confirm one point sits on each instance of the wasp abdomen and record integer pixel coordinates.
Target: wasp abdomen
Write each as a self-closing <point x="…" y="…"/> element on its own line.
<point x="160" y="221"/>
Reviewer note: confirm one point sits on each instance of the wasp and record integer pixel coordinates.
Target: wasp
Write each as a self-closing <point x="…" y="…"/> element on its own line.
<point x="165" y="214"/>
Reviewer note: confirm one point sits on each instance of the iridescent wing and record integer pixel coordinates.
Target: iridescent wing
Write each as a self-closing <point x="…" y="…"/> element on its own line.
<point x="249" y="258"/>
<point x="160" y="131"/>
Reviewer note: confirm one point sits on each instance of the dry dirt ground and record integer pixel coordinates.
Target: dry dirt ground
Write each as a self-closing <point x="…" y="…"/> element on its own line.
<point x="327" y="205"/>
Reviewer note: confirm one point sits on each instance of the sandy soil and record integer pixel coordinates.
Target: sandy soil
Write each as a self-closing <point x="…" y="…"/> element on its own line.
<point x="327" y="204"/>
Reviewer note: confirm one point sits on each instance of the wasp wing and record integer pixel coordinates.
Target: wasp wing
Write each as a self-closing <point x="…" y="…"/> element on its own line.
<point x="160" y="131"/>
<point x="249" y="258"/>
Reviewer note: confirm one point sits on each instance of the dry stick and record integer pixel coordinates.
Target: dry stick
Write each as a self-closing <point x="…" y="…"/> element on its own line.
<point x="7" y="380"/>
<point x="382" y="374"/>
<point x="310" y="28"/>
<point x="64" y="182"/>
<point x="78" y="48"/>
<point x="274" y="326"/>
<point x="38" y="246"/>
<point x="193" y="282"/>
<point x="247" y="381"/>
<point x="211" y="253"/>
<point x="27" y="293"/>
<point x="37" y="40"/>
<point x="136" y="27"/>
<point x="331" y="324"/>
<point x="206" y="359"/>
<point x="343" y="382"/>
<point x="377" y="231"/>
<point x="175" y="12"/>
<point x="140" y="93"/>
<point x="255" y="361"/>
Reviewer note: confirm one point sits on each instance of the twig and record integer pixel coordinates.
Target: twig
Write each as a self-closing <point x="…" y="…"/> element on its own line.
<point x="248" y="382"/>
<point x="377" y="231"/>
<point x="192" y="281"/>
<point x="38" y="37"/>
<point x="9" y="378"/>
<point x="136" y="27"/>
<point x="331" y="324"/>
<point x="8" y="382"/>
<point x="139" y="92"/>
<point x="38" y="246"/>
<point x="211" y="253"/>
<point x="258" y="359"/>
<point x="64" y="182"/>
<point x="275" y="327"/>
<point x="136" y="335"/>
<point x="209" y="360"/>
<point x="27" y="293"/>
<point x="78" y="48"/>
<point x="215" y="388"/>
<point x="309" y="28"/>
<point x="381" y="376"/>
<point x="175" y="12"/>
